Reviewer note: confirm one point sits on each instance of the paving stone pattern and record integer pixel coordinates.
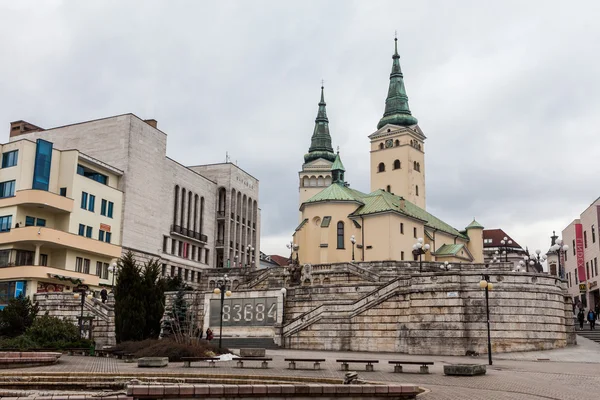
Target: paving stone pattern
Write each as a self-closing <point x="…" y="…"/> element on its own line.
<point x="506" y="379"/>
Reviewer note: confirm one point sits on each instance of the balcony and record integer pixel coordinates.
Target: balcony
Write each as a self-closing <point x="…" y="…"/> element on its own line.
<point x="219" y="243"/>
<point x="36" y="272"/>
<point x="188" y="233"/>
<point x="55" y="238"/>
<point x="49" y="201"/>
<point x="220" y="214"/>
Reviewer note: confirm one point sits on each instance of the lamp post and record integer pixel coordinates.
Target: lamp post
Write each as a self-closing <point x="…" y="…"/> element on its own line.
<point x="537" y="259"/>
<point x="419" y="249"/>
<point x="222" y="290"/>
<point x="504" y="243"/>
<point x="250" y="250"/>
<point x="113" y="270"/>
<point x="283" y="292"/>
<point x="559" y="248"/>
<point x="81" y="293"/>
<point x="487" y="285"/>
<point x="353" y="241"/>
<point x="293" y="247"/>
<point x="445" y="266"/>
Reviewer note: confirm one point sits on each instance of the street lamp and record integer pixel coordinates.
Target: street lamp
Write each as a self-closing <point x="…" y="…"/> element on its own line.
<point x="353" y="241"/>
<point x="418" y="250"/>
<point x="537" y="259"/>
<point x="504" y="243"/>
<point x="81" y="293"/>
<point x="487" y="285"/>
<point x="113" y="270"/>
<point x="293" y="247"/>
<point x="445" y="266"/>
<point x="283" y="292"/>
<point x="222" y="290"/>
<point x="559" y="248"/>
<point x="250" y="250"/>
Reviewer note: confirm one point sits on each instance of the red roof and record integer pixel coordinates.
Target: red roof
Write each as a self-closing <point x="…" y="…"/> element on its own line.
<point x="496" y="236"/>
<point x="281" y="261"/>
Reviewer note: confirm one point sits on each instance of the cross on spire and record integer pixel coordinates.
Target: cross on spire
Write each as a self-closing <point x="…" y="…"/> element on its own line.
<point x="322" y="83"/>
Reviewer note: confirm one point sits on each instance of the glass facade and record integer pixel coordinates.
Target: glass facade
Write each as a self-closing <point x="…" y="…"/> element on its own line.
<point x="5" y="223"/>
<point x="43" y="162"/>
<point x="93" y="175"/>
<point x="9" y="290"/>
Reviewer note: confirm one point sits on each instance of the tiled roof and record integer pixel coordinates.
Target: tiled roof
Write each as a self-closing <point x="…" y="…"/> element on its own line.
<point x="497" y="235"/>
<point x="279" y="260"/>
<point x="448" y="249"/>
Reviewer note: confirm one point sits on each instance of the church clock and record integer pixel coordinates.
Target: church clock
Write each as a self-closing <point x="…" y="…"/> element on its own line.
<point x="389" y="143"/>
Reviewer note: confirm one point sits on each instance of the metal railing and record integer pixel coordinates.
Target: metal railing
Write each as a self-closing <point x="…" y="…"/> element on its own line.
<point x="189" y="233"/>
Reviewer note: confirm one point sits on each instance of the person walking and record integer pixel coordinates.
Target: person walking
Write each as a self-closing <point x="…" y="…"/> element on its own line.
<point x="209" y="334"/>
<point x="581" y="318"/>
<point x="103" y="295"/>
<point x="592" y="319"/>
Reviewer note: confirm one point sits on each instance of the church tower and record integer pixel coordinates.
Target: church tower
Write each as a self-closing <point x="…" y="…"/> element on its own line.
<point x="397" y="147"/>
<point x="316" y="170"/>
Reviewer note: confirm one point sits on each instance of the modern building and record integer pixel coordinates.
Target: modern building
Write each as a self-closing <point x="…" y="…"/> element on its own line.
<point x="496" y="251"/>
<point x="189" y="218"/>
<point x="60" y="219"/>
<point x="581" y="258"/>
<point x="341" y="224"/>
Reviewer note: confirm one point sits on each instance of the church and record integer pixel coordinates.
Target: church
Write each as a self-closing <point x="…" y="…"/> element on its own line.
<point x="342" y="224"/>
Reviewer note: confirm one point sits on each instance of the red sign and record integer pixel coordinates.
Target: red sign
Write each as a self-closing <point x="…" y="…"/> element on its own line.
<point x="44" y="287"/>
<point x="105" y="228"/>
<point x="579" y="252"/>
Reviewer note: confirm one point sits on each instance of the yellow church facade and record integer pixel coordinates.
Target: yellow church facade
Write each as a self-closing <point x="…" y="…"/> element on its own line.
<point x="341" y="224"/>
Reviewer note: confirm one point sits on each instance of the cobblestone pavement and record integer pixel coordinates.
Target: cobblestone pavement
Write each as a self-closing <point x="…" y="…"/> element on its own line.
<point x="506" y="379"/>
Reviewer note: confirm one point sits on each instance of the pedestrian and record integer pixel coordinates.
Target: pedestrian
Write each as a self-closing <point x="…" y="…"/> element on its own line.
<point x="209" y="334"/>
<point x="103" y="295"/>
<point x="592" y="319"/>
<point x="581" y="318"/>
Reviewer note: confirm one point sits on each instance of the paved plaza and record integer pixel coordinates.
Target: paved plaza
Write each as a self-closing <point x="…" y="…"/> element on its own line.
<point x="572" y="373"/>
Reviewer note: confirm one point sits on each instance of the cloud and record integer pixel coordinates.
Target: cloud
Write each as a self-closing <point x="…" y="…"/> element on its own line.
<point x="505" y="92"/>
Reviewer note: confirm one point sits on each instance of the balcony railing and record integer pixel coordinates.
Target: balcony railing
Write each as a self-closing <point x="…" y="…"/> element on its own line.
<point x="189" y="233"/>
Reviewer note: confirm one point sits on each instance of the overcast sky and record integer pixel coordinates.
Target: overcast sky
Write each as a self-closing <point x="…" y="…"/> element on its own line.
<point x="506" y="92"/>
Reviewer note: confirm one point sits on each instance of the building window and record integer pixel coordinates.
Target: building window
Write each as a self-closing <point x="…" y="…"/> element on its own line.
<point x="415" y="232"/>
<point x="44" y="260"/>
<point x="206" y="256"/>
<point x="29" y="221"/>
<point x="401" y="256"/>
<point x="596" y="265"/>
<point x="84" y="200"/>
<point x="417" y="189"/>
<point x="99" y="269"/>
<point x="397" y="143"/>
<point x="40" y="222"/>
<point x="340" y="235"/>
<point x="110" y="209"/>
<point x="585" y="239"/>
<point x="164" y="269"/>
<point x="86" y="266"/>
<point x="43" y="162"/>
<point x="186" y="275"/>
<point x="108" y="237"/>
<point x="173" y="244"/>
<point x="593" y="234"/>
<point x="63" y="192"/>
<point x="88" y="231"/>
<point x="192" y="276"/>
<point x="180" y="249"/>
<point x="172" y="270"/>
<point x="165" y="243"/>
<point x="93" y="175"/>
<point x="381" y="167"/>
<point x="81" y="230"/>
<point x="101" y="235"/>
<point x="105" y="271"/>
<point x="7" y="189"/>
<point x="402" y="228"/>
<point x="78" y="264"/>
<point x="24" y="257"/>
<point x="9" y="159"/>
<point x="103" y="207"/>
<point x="574" y="249"/>
<point x="587" y="269"/>
<point x="576" y="277"/>
<point x="5" y="223"/>
<point x="388" y="188"/>
<point x="380" y="146"/>
<point x="92" y="203"/>
<point x="397" y="164"/>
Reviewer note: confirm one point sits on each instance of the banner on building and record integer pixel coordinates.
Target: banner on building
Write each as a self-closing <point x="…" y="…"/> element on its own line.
<point x="579" y="252"/>
<point x="45" y="287"/>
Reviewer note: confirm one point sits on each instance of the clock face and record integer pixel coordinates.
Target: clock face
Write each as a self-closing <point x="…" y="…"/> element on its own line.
<point x="389" y="143"/>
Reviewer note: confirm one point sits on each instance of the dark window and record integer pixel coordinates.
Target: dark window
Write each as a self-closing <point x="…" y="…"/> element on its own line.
<point x="402" y="228"/>
<point x="110" y="209"/>
<point x="99" y="268"/>
<point x="9" y="159"/>
<point x="103" y="207"/>
<point x="105" y="271"/>
<point x="43" y="161"/>
<point x="397" y="143"/>
<point x="101" y="235"/>
<point x="397" y="164"/>
<point x="92" y="203"/>
<point x="388" y="188"/>
<point x="596" y="265"/>
<point x="380" y="146"/>
<point x="5" y="223"/>
<point x="401" y="256"/>
<point x="164" y="269"/>
<point x="574" y="249"/>
<point x="40" y="222"/>
<point x="186" y="275"/>
<point x="381" y="167"/>
<point x="180" y="249"/>
<point x="165" y="244"/>
<point x="593" y="234"/>
<point x="206" y="256"/>
<point x="88" y="231"/>
<point x="29" y="221"/>
<point x="415" y="232"/>
<point x="587" y="269"/>
<point x="192" y="276"/>
<point x="86" y="266"/>
<point x="78" y="264"/>
<point x="90" y="173"/>
<point x="172" y="270"/>
<point x="173" y="244"/>
<point x="108" y="237"/>
<point x="340" y="235"/>
<point x="585" y="239"/>
<point x="81" y="229"/>
<point x="63" y="192"/>
<point x="417" y="189"/>
<point x="23" y="257"/>
<point x="44" y="260"/>
<point x="7" y="189"/>
<point x="84" y="200"/>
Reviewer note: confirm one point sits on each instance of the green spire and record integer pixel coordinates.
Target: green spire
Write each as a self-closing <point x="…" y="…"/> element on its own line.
<point x="396" y="104"/>
<point x="337" y="169"/>
<point x="320" y="143"/>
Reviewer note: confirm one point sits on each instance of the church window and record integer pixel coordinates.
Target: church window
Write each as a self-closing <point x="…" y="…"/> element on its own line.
<point x="381" y="167"/>
<point x="327" y="180"/>
<point x="380" y="146"/>
<point x="397" y="143"/>
<point x="305" y="181"/>
<point x="417" y="187"/>
<point x="313" y="181"/>
<point x="397" y="164"/>
<point x="340" y="235"/>
<point x="412" y="143"/>
<point x="401" y="256"/>
<point x="320" y="181"/>
<point x="402" y="228"/>
<point x="389" y="188"/>
<point x="415" y="232"/>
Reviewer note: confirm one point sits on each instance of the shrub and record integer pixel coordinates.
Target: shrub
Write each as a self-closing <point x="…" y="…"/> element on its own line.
<point x="48" y="332"/>
<point x="17" y="316"/>
<point x="169" y="348"/>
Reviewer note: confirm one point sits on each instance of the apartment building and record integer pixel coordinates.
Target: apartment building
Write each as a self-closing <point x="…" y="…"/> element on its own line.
<point x="581" y="258"/>
<point x="60" y="219"/>
<point x="169" y="211"/>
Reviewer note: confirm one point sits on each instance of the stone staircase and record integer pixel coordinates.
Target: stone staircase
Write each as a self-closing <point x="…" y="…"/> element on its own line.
<point x="588" y="334"/>
<point x="345" y="309"/>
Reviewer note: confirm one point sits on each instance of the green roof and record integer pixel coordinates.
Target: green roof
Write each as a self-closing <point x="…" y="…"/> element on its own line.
<point x="320" y="143"/>
<point x="302" y="224"/>
<point x="475" y="224"/>
<point x="337" y="164"/>
<point x="336" y="192"/>
<point x="449" y="249"/>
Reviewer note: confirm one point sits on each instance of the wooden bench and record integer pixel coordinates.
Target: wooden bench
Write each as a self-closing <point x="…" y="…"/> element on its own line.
<point x="187" y="361"/>
<point x="264" y="364"/>
<point x="423" y="364"/>
<point x="317" y="362"/>
<point x="369" y="364"/>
